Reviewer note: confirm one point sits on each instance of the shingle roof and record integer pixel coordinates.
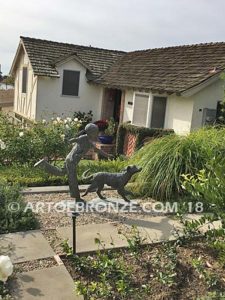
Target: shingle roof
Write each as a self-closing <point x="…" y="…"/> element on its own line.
<point x="43" y="55"/>
<point x="171" y="70"/>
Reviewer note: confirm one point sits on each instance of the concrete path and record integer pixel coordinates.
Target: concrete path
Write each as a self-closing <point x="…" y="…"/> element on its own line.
<point x="25" y="246"/>
<point x="152" y="229"/>
<point x="86" y="235"/>
<point x="54" y="283"/>
<point x="54" y="189"/>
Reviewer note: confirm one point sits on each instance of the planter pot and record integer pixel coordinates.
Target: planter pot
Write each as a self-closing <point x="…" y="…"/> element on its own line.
<point x="106" y="139"/>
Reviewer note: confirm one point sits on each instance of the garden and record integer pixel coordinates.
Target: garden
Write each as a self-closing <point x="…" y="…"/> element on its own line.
<point x="188" y="170"/>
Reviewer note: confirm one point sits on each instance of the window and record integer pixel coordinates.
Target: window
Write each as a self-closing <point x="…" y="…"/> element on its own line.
<point x="24" y="80"/>
<point x="220" y="112"/>
<point x="71" y="81"/>
<point x="140" y="111"/>
<point x="142" y="108"/>
<point x="158" y="112"/>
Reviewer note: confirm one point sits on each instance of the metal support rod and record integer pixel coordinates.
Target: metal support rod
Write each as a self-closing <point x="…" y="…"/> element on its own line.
<point x="74" y="217"/>
<point x="74" y="235"/>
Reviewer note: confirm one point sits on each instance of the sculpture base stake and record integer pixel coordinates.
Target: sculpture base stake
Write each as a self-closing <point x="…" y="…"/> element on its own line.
<point x="74" y="217"/>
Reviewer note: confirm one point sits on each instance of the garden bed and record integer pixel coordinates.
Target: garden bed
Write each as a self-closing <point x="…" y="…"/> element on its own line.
<point x="152" y="272"/>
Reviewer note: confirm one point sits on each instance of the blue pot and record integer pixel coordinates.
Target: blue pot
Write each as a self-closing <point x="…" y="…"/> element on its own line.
<point x="106" y="139"/>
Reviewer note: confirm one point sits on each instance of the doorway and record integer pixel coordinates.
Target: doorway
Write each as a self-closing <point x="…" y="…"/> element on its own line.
<point x="111" y="104"/>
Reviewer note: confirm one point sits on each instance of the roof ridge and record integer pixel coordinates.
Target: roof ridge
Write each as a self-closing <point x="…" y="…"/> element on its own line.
<point x="70" y="44"/>
<point x="178" y="46"/>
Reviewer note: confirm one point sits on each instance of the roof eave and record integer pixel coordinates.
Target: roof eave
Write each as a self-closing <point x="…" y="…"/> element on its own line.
<point x="20" y="46"/>
<point x="198" y="87"/>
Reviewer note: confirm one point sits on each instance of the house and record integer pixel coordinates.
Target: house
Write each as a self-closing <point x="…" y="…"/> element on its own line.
<point x="6" y="100"/>
<point x="177" y="88"/>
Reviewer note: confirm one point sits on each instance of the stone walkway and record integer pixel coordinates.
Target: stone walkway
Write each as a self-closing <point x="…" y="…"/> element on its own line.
<point x="55" y="282"/>
<point x="25" y="246"/>
<point x="54" y="189"/>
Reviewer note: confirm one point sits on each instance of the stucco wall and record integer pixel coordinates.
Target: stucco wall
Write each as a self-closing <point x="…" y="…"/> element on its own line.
<point x="206" y="98"/>
<point x="25" y="103"/>
<point x="128" y="109"/>
<point x="179" y="114"/>
<point x="51" y="102"/>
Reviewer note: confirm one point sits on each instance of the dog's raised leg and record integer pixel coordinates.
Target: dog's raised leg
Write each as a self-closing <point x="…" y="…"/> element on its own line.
<point x="121" y="192"/>
<point x="100" y="195"/>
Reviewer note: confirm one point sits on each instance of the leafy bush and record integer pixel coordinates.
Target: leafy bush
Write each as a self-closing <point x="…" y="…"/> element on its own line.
<point x="164" y="160"/>
<point x="13" y="215"/>
<point x="27" y="144"/>
<point x="84" y="117"/>
<point x="140" y="132"/>
<point x="208" y="185"/>
<point x="4" y="292"/>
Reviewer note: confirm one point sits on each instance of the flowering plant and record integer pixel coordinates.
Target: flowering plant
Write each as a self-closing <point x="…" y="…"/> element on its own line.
<point x="102" y="125"/>
<point x="6" y="268"/>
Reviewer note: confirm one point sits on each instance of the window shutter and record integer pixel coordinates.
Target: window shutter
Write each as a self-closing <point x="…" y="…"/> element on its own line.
<point x="71" y="80"/>
<point x="24" y="80"/>
<point x="140" y="111"/>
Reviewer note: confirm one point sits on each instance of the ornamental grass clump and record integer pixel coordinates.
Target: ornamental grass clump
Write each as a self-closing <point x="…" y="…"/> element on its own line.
<point x="165" y="159"/>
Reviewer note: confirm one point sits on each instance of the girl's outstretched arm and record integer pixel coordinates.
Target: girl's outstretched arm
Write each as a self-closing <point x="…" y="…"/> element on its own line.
<point x="103" y="153"/>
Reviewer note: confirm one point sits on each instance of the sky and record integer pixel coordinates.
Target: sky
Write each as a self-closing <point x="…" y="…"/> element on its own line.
<point x="113" y="24"/>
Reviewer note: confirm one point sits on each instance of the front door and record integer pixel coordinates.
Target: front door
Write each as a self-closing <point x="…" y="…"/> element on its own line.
<point x="111" y="104"/>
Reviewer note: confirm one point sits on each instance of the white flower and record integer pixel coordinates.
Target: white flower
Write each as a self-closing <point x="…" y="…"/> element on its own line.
<point x="54" y="122"/>
<point x="6" y="268"/>
<point x="2" y="145"/>
<point x="67" y="126"/>
<point x="58" y="119"/>
<point x="21" y="134"/>
<point x="76" y="119"/>
<point x="69" y="120"/>
<point x="65" y="121"/>
<point x="62" y="136"/>
<point x="44" y="121"/>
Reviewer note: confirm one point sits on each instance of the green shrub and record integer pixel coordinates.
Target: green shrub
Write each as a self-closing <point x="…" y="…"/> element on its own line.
<point x="140" y="132"/>
<point x="13" y="215"/>
<point x="208" y="185"/>
<point x="165" y="159"/>
<point x="27" y="144"/>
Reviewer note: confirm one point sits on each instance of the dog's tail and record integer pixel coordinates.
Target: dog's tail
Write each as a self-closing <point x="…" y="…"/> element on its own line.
<point x="85" y="177"/>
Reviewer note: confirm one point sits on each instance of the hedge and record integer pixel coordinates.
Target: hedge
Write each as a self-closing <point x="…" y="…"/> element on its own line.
<point x="140" y="132"/>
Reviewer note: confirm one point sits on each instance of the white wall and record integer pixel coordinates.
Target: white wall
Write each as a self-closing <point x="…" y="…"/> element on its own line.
<point x="25" y="103"/>
<point x="51" y="102"/>
<point x="179" y="114"/>
<point x="206" y="98"/>
<point x="128" y="109"/>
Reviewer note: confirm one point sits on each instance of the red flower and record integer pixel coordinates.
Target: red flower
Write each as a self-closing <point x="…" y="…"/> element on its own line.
<point x="102" y="124"/>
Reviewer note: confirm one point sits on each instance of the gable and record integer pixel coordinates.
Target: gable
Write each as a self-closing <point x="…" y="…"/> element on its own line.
<point x="44" y="55"/>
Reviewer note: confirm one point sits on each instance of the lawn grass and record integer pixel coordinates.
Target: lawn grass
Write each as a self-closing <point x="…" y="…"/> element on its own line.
<point x="27" y="176"/>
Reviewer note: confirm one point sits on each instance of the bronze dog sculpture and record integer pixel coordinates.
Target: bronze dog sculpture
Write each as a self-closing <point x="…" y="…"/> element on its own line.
<point x="115" y="180"/>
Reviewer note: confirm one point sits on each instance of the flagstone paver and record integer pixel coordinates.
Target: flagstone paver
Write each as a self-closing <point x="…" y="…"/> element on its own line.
<point x="87" y="233"/>
<point x="25" y="246"/>
<point x="153" y="229"/>
<point x="54" y="189"/>
<point x="49" y="284"/>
